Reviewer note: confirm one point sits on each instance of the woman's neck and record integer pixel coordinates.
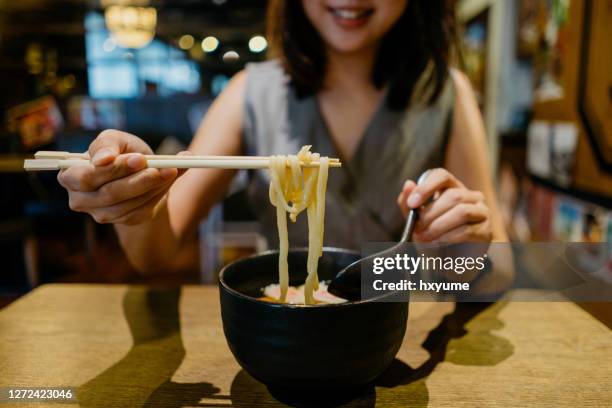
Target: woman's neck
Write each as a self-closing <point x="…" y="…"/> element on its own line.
<point x="350" y="71"/>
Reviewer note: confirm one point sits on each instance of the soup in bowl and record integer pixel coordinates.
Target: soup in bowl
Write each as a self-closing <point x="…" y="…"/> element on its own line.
<point x="298" y="350"/>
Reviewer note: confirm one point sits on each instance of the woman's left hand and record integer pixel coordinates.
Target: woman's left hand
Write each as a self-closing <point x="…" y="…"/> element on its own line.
<point x="456" y="214"/>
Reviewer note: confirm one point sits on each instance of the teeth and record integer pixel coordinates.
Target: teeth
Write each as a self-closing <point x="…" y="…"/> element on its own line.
<point x="350" y="13"/>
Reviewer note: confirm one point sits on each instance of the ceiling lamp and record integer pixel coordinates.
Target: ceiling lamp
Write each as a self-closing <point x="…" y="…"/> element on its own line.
<point x="257" y="43"/>
<point x="209" y="44"/>
<point x="186" y="41"/>
<point x="231" y="56"/>
<point x="131" y="26"/>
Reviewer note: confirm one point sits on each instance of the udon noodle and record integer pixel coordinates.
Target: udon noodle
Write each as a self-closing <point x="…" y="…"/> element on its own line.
<point x="293" y="189"/>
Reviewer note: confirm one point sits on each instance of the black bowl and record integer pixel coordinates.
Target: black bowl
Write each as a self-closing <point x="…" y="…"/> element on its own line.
<point x="299" y="350"/>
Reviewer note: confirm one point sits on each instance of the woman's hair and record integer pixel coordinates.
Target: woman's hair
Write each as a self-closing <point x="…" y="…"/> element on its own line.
<point x="419" y="46"/>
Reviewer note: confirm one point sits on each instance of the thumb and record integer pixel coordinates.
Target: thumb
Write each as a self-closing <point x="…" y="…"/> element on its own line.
<point x="106" y="147"/>
<point x="111" y="143"/>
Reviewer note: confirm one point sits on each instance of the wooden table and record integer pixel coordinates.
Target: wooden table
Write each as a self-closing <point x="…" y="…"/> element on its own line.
<point x="136" y="346"/>
<point x="12" y="163"/>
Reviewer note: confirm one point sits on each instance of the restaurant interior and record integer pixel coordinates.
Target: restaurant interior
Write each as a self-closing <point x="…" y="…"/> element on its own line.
<point x="70" y="69"/>
<point x="79" y="322"/>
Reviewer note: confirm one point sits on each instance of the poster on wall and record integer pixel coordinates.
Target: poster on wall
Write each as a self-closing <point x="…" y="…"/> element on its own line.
<point x="594" y="225"/>
<point x="568" y="221"/>
<point x="563" y="152"/>
<point x="552" y="36"/>
<point x="36" y="122"/>
<point x="538" y="148"/>
<point x="596" y="258"/>
<point x="551" y="151"/>
<point x="528" y="28"/>
<point x="541" y="205"/>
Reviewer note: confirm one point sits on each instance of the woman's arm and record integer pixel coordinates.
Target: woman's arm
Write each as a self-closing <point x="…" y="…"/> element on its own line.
<point x="467" y="156"/>
<point x="152" y="245"/>
<point x="465" y="208"/>
<point x="468" y="160"/>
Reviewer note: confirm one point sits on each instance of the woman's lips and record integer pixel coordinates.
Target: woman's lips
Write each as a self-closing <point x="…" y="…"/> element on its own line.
<point x="351" y="17"/>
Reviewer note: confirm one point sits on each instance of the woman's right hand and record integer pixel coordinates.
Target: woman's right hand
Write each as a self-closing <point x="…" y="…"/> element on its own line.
<point x="117" y="187"/>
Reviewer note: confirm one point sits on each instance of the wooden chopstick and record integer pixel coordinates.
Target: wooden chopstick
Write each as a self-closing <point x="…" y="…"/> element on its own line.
<point x="58" y="155"/>
<point x="179" y="162"/>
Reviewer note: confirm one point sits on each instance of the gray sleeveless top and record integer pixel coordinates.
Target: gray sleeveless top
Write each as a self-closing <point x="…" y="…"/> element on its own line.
<point x="361" y="195"/>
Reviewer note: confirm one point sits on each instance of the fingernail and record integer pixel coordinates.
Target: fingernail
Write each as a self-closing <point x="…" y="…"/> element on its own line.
<point x="134" y="161"/>
<point x="167" y="174"/>
<point x="102" y="157"/>
<point x="414" y="200"/>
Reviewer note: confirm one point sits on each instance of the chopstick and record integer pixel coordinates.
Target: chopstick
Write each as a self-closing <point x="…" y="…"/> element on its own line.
<point x="58" y="155"/>
<point x="154" y="161"/>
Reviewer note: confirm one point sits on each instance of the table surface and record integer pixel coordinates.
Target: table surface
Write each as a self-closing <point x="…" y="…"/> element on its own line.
<point x="134" y="346"/>
<point x="12" y="163"/>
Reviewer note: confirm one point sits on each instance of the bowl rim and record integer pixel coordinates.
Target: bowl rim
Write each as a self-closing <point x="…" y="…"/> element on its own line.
<point x="291" y="305"/>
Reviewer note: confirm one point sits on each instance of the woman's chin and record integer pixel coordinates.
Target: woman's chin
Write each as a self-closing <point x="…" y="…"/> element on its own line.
<point x="351" y="47"/>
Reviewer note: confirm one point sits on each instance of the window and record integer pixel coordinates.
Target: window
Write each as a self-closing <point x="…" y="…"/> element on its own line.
<point x="116" y="72"/>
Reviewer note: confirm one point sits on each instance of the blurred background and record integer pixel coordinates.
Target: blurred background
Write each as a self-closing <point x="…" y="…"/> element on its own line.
<point x="542" y="71"/>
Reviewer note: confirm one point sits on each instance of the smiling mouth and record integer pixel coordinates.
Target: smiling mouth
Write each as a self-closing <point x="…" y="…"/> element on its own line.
<point x="351" y="14"/>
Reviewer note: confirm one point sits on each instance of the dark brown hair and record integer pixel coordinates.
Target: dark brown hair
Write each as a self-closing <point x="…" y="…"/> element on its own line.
<point x="420" y="42"/>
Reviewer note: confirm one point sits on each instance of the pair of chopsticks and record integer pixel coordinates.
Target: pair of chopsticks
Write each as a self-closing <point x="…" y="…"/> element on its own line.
<point x="51" y="160"/>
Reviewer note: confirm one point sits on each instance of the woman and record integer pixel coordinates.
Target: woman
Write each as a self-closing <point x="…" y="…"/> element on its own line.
<point x="367" y="81"/>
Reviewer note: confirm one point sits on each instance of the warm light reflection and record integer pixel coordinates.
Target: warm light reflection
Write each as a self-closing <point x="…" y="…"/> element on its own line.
<point x="186" y="42"/>
<point x="257" y="43"/>
<point x="131" y="27"/>
<point x="209" y="44"/>
<point x="231" y="56"/>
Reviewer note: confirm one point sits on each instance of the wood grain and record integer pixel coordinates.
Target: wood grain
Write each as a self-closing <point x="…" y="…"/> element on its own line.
<point x="137" y="346"/>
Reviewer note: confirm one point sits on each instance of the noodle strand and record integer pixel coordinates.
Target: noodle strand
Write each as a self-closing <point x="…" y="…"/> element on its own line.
<point x="293" y="189"/>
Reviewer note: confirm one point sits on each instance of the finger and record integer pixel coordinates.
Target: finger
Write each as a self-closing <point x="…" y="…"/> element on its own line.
<point x="76" y="178"/>
<point x="90" y="177"/>
<point x="119" y="190"/>
<point x="401" y="203"/>
<point x="114" y="213"/>
<point x="403" y="196"/>
<point x="437" y="180"/>
<point x="142" y="213"/>
<point x="459" y="215"/>
<point x="137" y="185"/>
<point x="448" y="199"/>
<point x="111" y="143"/>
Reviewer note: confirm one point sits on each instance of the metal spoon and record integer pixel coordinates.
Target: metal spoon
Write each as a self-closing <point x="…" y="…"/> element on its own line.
<point x="347" y="283"/>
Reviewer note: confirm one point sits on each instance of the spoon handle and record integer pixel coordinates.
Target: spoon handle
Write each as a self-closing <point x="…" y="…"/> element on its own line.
<point x="413" y="215"/>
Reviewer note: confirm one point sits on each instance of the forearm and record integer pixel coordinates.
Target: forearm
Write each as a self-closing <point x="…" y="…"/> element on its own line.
<point x="151" y="245"/>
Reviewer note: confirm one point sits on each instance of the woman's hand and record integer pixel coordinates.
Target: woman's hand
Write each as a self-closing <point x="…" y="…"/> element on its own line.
<point x="455" y="215"/>
<point x="117" y="187"/>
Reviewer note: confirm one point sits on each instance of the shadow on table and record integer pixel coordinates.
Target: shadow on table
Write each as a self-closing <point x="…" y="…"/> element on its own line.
<point x="451" y="341"/>
<point x="403" y="385"/>
<point x="143" y="377"/>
